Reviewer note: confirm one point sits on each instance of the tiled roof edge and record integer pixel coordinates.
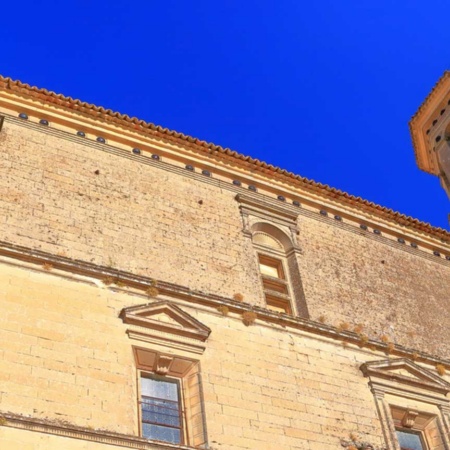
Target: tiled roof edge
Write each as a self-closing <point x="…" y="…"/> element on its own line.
<point x="136" y="124"/>
<point x="430" y="95"/>
<point x="416" y="115"/>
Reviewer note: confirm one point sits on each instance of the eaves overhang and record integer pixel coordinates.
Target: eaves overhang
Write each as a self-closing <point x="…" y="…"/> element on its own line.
<point x="422" y="123"/>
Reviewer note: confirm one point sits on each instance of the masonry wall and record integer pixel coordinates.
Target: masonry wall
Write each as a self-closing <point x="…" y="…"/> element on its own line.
<point x="396" y="292"/>
<point x="129" y="216"/>
<point x="65" y="358"/>
<point x="65" y="197"/>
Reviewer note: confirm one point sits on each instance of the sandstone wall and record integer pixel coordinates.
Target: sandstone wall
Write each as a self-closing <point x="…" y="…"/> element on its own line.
<point x="60" y="195"/>
<point x="65" y="358"/>
<point x="353" y="277"/>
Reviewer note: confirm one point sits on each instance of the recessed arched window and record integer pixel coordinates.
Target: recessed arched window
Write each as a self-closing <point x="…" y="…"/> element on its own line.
<point x="272" y="246"/>
<point x="274" y="230"/>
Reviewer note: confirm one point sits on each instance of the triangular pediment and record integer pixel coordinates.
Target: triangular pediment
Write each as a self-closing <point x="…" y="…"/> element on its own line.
<point x="166" y="323"/>
<point x="405" y="372"/>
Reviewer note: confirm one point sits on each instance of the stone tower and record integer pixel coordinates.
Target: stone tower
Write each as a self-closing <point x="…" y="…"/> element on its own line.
<point x="430" y="131"/>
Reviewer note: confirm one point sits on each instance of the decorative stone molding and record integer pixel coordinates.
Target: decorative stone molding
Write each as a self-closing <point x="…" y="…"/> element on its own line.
<point x="83" y="271"/>
<point x="162" y="363"/>
<point x="268" y="211"/>
<point x="167" y="324"/>
<point x="67" y="430"/>
<point x="394" y="384"/>
<point x="403" y="374"/>
<point x="409" y="418"/>
<point x="265" y="208"/>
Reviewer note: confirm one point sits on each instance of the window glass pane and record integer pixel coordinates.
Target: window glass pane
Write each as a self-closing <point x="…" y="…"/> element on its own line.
<point x="163" y="389"/>
<point x="409" y="441"/>
<point x="160" y="409"/>
<point x="159" y="433"/>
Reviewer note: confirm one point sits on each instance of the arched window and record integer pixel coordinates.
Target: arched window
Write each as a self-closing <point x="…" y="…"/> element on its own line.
<point x="273" y="229"/>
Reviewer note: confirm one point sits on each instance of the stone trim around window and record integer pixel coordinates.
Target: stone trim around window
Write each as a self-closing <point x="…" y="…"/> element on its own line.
<point x="66" y="430"/>
<point x="255" y="210"/>
<point x="186" y="372"/>
<point x="411" y="399"/>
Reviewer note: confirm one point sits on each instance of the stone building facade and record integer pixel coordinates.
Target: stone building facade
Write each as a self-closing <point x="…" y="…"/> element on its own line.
<point x="160" y="292"/>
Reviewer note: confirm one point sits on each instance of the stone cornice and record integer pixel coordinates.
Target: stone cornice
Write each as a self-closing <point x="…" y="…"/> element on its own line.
<point x="137" y="285"/>
<point x="68" y="430"/>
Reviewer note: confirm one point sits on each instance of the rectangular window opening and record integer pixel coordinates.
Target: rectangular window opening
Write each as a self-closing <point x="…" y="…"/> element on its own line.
<point x="271" y="266"/>
<point x="161" y="409"/>
<point x="171" y="404"/>
<point x="278" y="304"/>
<point x="410" y="440"/>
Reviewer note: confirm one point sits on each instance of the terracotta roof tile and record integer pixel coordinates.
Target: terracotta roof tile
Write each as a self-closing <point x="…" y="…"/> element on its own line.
<point x="417" y="114"/>
<point x="226" y="153"/>
<point x="430" y="94"/>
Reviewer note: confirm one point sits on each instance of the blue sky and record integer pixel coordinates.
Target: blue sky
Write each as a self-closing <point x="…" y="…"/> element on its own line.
<point x="323" y="89"/>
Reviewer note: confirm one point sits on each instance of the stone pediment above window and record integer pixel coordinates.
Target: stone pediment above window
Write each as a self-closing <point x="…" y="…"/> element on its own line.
<point x="403" y="374"/>
<point x="166" y="324"/>
<point x="412" y="404"/>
